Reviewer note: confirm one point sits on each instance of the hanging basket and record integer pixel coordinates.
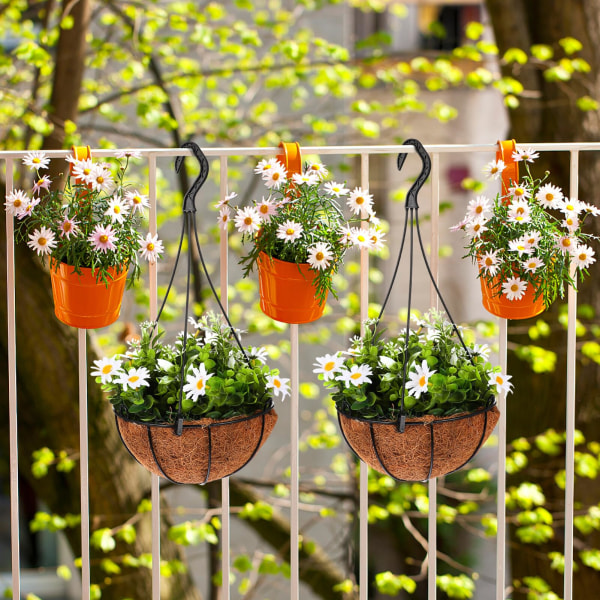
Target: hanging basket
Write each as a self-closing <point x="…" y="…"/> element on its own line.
<point x="81" y="301"/>
<point x="207" y="449"/>
<point x="429" y="446"/>
<point x="287" y="291"/>
<point x="524" y="308"/>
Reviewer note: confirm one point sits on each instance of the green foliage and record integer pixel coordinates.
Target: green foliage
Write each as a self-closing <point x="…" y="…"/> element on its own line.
<point x="389" y="584"/>
<point x="222" y="380"/>
<point x="460" y="586"/>
<point x="428" y="368"/>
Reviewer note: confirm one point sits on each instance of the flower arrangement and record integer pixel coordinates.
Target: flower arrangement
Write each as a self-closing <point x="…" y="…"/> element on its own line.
<point x="530" y="236"/>
<point x="91" y="223"/>
<point x="429" y="367"/>
<point x="302" y="222"/>
<point x="219" y="380"/>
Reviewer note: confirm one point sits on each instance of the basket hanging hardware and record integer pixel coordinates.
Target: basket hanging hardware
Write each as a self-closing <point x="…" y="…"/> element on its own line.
<point x="412" y="216"/>
<point x="189" y="200"/>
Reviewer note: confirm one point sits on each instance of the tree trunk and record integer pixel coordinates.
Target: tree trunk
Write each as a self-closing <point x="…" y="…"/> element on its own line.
<point x="550" y="114"/>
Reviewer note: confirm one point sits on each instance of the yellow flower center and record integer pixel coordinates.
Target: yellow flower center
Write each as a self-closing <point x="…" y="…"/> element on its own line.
<point x="36" y="161"/>
<point x="315" y="168"/>
<point x="248" y="221"/>
<point x="86" y="171"/>
<point x="566" y="242"/>
<point x="319" y="256"/>
<point x="277" y="383"/>
<point x="549" y="197"/>
<point x="520" y="210"/>
<point x="136" y="200"/>
<point x="106" y="369"/>
<point x="488" y="262"/>
<point x="499" y="379"/>
<point x="17" y="202"/>
<point x="328" y="366"/>
<point x="361" y="238"/>
<point x="103" y="238"/>
<point x="42" y="241"/>
<point x="275" y="176"/>
<point x="582" y="256"/>
<point x="67" y="226"/>
<point x="355" y="376"/>
<point x="360" y="200"/>
<point x="133" y="379"/>
<point x="494" y="170"/>
<point x="514" y="287"/>
<point x="150" y="246"/>
<point x="117" y="210"/>
<point x="519" y="191"/>
<point x="289" y="231"/>
<point x="479" y="209"/>
<point x="477" y="227"/>
<point x="200" y="384"/>
<point x="263" y="209"/>
<point x="422" y="380"/>
<point x="531" y="265"/>
<point x="100" y="179"/>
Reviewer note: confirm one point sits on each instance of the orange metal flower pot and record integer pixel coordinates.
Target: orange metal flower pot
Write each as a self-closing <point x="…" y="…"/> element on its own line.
<point x="287" y="291"/>
<point x="501" y="306"/>
<point x="81" y="301"/>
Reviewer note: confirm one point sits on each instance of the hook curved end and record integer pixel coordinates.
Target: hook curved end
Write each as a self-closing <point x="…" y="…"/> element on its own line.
<point x="411" y="198"/>
<point x="189" y="201"/>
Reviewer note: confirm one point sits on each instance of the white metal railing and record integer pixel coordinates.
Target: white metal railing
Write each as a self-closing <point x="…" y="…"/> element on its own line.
<point x="364" y="152"/>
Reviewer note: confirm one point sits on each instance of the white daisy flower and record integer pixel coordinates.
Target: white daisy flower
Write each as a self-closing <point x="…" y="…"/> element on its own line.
<point x="335" y="189"/>
<point x="521" y="246"/>
<point x="81" y="169"/>
<point x="320" y="255"/>
<point x="346" y="235"/>
<point x="328" y="366"/>
<point x="514" y="288"/>
<point x="36" y="161"/>
<point x="164" y="365"/>
<point x="103" y="238"/>
<point x="570" y="206"/>
<point x="133" y="379"/>
<point x="500" y="381"/>
<point x="306" y="178"/>
<point x="260" y="354"/>
<point x="28" y="208"/>
<point x="520" y="192"/>
<point x="117" y="210"/>
<point x="525" y="154"/>
<point x="571" y="222"/>
<point x="583" y="256"/>
<point x="279" y="385"/>
<point x="247" y="220"/>
<point x="356" y="375"/>
<point x="42" y="241"/>
<point x="480" y="208"/>
<point x="460" y="225"/>
<point x="566" y="244"/>
<point x="532" y="264"/>
<point x="318" y="169"/>
<point x="266" y="165"/>
<point x="519" y="211"/>
<point x="68" y="228"/>
<point x="289" y="231"/>
<point x="43" y="183"/>
<point x="475" y="227"/>
<point x="549" y="196"/>
<point x="386" y="362"/>
<point x="418" y="380"/>
<point x="16" y="201"/>
<point x="101" y="179"/>
<point x="136" y="201"/>
<point x="490" y="262"/>
<point x="533" y="238"/>
<point x="151" y="247"/>
<point x="266" y="209"/>
<point x="106" y="369"/>
<point x="275" y="177"/>
<point x="359" y="200"/>
<point x="494" y="169"/>
<point x="128" y="154"/>
<point x="590" y="209"/>
<point x="361" y="238"/>
<point x="376" y="236"/>
<point x="196" y="382"/>
<point x="224" y="217"/>
<point x="482" y="350"/>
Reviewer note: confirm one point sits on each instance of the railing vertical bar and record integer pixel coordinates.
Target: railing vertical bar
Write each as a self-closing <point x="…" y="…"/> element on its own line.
<point x="501" y="487"/>
<point x="12" y="393"/>
<point x="434" y="265"/>
<point x="155" y="479"/>
<point x="294" y="464"/>
<point x="225" y="502"/>
<point x="83" y="464"/>
<point x="570" y="416"/>
<point x="363" y="574"/>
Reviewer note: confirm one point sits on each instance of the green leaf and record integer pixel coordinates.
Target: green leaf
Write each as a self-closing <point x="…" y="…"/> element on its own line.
<point x="541" y="52"/>
<point x="242" y="563"/>
<point x="389" y="584"/>
<point x="570" y="45"/>
<point x="515" y="55"/>
<point x="460" y="586"/>
<point x="587" y="104"/>
<point x="103" y="539"/>
<point x="474" y="30"/>
<point x="591" y="558"/>
<point x="64" y="572"/>
<point x="268" y="565"/>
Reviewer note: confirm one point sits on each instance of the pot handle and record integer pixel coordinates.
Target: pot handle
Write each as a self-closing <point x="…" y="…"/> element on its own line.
<point x="290" y="157"/>
<point x="510" y="174"/>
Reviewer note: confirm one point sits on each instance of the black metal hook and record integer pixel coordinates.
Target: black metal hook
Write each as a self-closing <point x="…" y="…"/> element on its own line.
<point x="411" y="198"/>
<point x="189" y="200"/>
